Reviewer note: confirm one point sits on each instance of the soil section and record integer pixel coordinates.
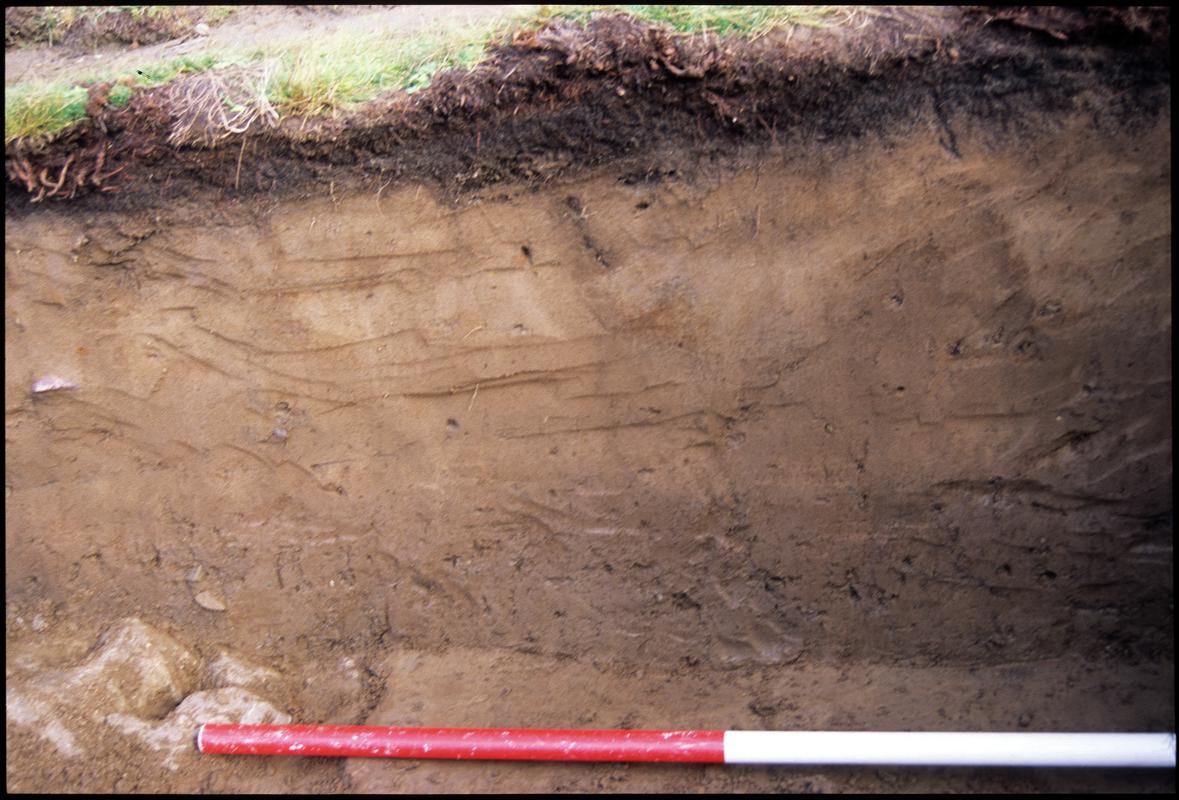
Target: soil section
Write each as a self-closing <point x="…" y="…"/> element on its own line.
<point x="820" y="416"/>
<point x="568" y="97"/>
<point x="857" y="421"/>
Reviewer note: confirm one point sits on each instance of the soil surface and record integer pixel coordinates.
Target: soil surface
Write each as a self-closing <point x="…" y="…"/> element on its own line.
<point x="246" y="27"/>
<point x="568" y="98"/>
<point x="89" y="28"/>
<point x="607" y="412"/>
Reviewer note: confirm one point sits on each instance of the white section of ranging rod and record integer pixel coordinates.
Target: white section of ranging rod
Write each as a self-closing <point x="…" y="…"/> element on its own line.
<point x="951" y="749"/>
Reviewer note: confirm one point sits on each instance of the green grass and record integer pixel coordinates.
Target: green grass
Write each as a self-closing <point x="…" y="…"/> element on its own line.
<point x="35" y="110"/>
<point x="162" y="72"/>
<point x="721" y="20"/>
<point x="119" y="96"/>
<point x="343" y="70"/>
<point x="327" y="74"/>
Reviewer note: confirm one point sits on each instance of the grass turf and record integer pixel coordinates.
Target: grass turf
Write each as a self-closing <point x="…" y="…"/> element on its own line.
<point x="320" y="74"/>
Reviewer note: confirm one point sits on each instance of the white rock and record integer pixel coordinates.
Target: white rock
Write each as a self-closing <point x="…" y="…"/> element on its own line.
<point x="231" y="704"/>
<point x="210" y="601"/>
<point x="175" y="736"/>
<point x="35" y="713"/>
<point x="139" y="681"/>
<point x="166" y="735"/>
<point x="134" y="670"/>
<point x="229" y="670"/>
<point x="52" y="383"/>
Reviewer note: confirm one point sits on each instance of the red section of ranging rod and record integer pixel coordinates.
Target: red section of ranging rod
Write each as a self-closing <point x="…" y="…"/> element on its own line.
<point x="513" y="744"/>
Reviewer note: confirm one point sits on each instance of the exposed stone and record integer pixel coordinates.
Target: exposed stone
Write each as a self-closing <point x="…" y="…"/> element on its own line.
<point x="134" y="670"/>
<point x="210" y="601"/>
<point x="34" y="712"/>
<point x="232" y="670"/>
<point x="231" y="704"/>
<point x="175" y="735"/>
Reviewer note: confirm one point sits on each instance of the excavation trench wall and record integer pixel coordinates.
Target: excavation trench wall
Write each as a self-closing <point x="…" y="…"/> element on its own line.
<point x="806" y="409"/>
<point x="871" y="405"/>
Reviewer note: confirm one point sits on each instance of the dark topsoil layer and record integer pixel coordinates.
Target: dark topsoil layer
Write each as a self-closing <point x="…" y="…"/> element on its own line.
<point x="569" y="97"/>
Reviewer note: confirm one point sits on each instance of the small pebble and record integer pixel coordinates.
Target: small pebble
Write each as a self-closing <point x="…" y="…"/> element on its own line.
<point x="51" y="383"/>
<point x="210" y="601"/>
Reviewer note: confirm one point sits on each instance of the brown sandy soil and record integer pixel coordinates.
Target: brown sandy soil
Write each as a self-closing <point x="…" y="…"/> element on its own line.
<point x="845" y="431"/>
